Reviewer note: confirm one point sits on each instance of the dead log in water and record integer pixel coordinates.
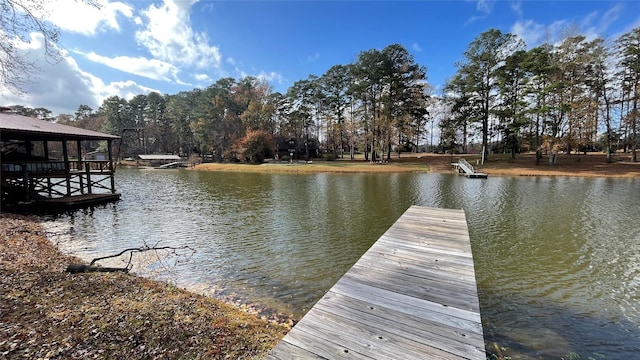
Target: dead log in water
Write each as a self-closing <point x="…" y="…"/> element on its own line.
<point x="84" y="268"/>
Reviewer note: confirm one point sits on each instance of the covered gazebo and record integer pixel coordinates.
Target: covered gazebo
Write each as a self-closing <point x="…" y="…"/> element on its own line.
<point x="42" y="163"/>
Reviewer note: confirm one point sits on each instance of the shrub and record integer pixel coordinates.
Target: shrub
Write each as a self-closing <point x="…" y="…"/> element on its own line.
<point x="329" y="156"/>
<point x="257" y="146"/>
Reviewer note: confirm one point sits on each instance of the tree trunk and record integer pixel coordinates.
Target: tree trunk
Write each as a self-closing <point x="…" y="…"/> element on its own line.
<point x="465" y="147"/>
<point x="634" y="124"/>
<point x="389" y="147"/>
<point x="485" y="130"/>
<point x="607" y="120"/>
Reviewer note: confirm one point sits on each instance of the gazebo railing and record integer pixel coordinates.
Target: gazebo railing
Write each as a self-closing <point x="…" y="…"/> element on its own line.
<point x="60" y="178"/>
<point x="57" y="167"/>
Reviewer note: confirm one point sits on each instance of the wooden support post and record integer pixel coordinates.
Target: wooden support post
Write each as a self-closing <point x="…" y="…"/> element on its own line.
<point x="49" y="192"/>
<point x="25" y="181"/>
<point x="87" y="171"/>
<point x="67" y="170"/>
<point x="81" y="182"/>
<point x="79" y="166"/>
<point x="79" y="148"/>
<point x="28" y="182"/>
<point x="45" y="148"/>
<point x="111" y="168"/>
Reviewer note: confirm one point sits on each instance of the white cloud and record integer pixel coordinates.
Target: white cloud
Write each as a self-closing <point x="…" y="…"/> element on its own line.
<point x="150" y="68"/>
<point x="595" y="25"/>
<point x="63" y="86"/>
<point x="59" y="87"/>
<point x="202" y="77"/>
<point x="516" y="7"/>
<point x="591" y="26"/>
<point x="626" y="29"/>
<point x="203" y="80"/>
<point x="313" y="58"/>
<point x="530" y="32"/>
<point x="208" y="7"/>
<point x="271" y="77"/>
<point x="611" y="16"/>
<point x="126" y="89"/>
<point x="77" y="16"/>
<point x="169" y="36"/>
<point x="416" y="47"/>
<point x="534" y="34"/>
<point x="483" y="6"/>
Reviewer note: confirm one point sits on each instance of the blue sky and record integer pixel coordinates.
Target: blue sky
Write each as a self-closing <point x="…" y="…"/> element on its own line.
<point x="132" y="47"/>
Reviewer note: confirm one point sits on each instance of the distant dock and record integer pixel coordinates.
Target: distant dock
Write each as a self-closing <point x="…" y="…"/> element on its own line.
<point x="412" y="295"/>
<point x="468" y="170"/>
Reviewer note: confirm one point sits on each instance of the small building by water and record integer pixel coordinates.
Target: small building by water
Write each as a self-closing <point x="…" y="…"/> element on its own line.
<point x="96" y="155"/>
<point x="296" y="148"/>
<point x="158" y="160"/>
<point x="46" y="165"/>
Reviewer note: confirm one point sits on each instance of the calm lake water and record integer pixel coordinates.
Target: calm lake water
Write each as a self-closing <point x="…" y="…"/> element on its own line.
<point x="557" y="259"/>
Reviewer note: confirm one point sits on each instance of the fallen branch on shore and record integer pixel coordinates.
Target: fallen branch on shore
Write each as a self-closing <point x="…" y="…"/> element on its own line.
<point x="84" y="268"/>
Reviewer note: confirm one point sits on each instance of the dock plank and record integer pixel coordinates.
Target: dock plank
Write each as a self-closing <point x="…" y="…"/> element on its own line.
<point x="418" y="308"/>
<point x="432" y="271"/>
<point x="417" y="278"/>
<point x="412" y="295"/>
<point x="418" y="289"/>
<point x="374" y="342"/>
<point x="287" y="351"/>
<point x="390" y="324"/>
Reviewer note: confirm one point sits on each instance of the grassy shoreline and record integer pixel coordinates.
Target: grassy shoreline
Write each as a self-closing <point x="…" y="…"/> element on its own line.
<point x="47" y="313"/>
<point x="316" y="167"/>
<point x="590" y="165"/>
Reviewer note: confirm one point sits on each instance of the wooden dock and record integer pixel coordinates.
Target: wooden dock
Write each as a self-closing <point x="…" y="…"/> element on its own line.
<point x="412" y="295"/>
<point x="464" y="167"/>
<point x="45" y="205"/>
<point x="79" y="200"/>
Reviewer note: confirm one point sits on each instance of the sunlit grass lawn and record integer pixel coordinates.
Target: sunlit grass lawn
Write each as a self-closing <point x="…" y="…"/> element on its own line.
<point x="340" y="166"/>
<point x="591" y="165"/>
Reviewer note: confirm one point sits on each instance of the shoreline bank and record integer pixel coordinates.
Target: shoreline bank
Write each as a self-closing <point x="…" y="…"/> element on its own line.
<point x="47" y="313"/>
<point x="574" y="165"/>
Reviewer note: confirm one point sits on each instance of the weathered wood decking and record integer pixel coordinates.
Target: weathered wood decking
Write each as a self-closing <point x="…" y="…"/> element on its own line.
<point x="412" y="295"/>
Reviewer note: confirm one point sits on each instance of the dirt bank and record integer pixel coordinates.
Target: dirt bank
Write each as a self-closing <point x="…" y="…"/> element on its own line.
<point x="48" y="314"/>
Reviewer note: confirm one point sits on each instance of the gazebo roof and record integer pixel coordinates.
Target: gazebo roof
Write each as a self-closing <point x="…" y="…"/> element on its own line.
<point x="18" y="127"/>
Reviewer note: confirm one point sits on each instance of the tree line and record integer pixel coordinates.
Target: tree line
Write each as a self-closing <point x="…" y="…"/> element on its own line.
<point x="575" y="95"/>
<point x="376" y="105"/>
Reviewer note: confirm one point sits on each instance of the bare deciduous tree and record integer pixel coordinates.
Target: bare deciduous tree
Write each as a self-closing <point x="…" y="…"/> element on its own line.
<point x="22" y="21"/>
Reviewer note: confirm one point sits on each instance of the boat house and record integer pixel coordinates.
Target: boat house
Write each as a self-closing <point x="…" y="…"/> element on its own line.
<point x="44" y="165"/>
<point x="160" y="160"/>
